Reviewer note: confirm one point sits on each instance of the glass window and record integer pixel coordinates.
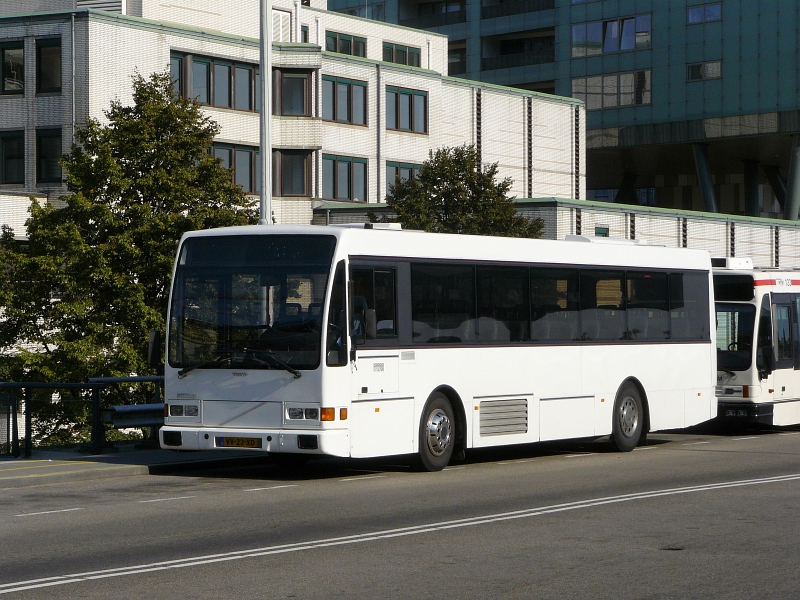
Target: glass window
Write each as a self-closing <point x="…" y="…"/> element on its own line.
<point x="442" y="303"/>
<point x="419" y="113"/>
<point x="359" y="47"/>
<point x="735" y="324"/>
<point x="391" y="109"/>
<point x="244" y="169"/>
<point x="713" y="12"/>
<point x="294" y="173"/>
<point x="377" y="289"/>
<point x="12" y="68"/>
<point x="602" y="305"/>
<point x="48" y="65"/>
<point x="555" y="312"/>
<point x="176" y="72"/>
<point x="628" y="38"/>
<point x="414" y="57"/>
<point x="328" y="177"/>
<point x="331" y="42"/>
<point x="695" y="14"/>
<point x="648" y="306"/>
<point x="764" y="331"/>
<point x="388" y="53"/>
<point x="594" y="38"/>
<point x="783" y="331"/>
<point x="243" y="77"/>
<point x="359" y="181"/>
<point x="201" y="90"/>
<point x="405" y="111"/>
<point x="345" y="44"/>
<point x="48" y="156"/>
<point x="294" y="94"/>
<point x="403" y="171"/>
<point x="359" y="113"/>
<point x="12" y="157"/>
<point x="222" y="85"/>
<point x="342" y="102"/>
<point x="304" y="34"/>
<point x="344" y="178"/>
<point x="642" y="32"/>
<point x="336" y="346"/>
<point x="503" y="306"/>
<point x="579" y="40"/>
<point x="610" y="91"/>
<point x="328" y="99"/>
<point x="402" y="55"/>
<point x="688" y="304"/>
<point x="225" y="154"/>
<point x="594" y="93"/>
<point x="611" y="36"/>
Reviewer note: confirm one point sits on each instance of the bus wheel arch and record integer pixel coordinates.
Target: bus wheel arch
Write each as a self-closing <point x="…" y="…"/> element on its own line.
<point x="630" y="421"/>
<point x="440" y="429"/>
<point x="461" y="419"/>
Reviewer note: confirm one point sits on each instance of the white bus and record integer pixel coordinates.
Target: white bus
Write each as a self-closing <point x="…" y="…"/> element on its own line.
<point x="369" y="341"/>
<point x="758" y="355"/>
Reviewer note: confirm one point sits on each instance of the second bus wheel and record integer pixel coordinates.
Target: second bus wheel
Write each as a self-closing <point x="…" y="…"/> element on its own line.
<point x="437" y="433"/>
<point x="628" y="419"/>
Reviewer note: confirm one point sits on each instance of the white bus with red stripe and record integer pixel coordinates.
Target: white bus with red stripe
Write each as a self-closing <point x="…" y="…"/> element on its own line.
<point x="758" y="349"/>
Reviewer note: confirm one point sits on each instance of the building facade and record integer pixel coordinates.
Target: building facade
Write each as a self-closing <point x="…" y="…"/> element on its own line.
<point x="691" y="104"/>
<point x="356" y="103"/>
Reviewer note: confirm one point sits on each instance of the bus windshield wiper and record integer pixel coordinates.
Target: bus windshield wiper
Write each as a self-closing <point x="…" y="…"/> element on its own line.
<point x="274" y="360"/>
<point x="214" y="362"/>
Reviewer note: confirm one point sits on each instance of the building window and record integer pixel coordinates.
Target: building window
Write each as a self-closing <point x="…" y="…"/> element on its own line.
<point x="217" y="83"/>
<point x="48" y="156"/>
<point x="304" y="34"/>
<point x="345" y="44"/>
<point x="344" y="100"/>
<point x="243" y="163"/>
<point x="291" y="93"/>
<point x="612" y="91"/>
<point x="400" y="171"/>
<point x="402" y="55"/>
<point x="376" y="12"/>
<point x="48" y="65"/>
<point x="711" y="69"/>
<point x="704" y="13"/>
<point x="12" y="68"/>
<point x="344" y="178"/>
<point x="291" y="172"/>
<point x="406" y="110"/>
<point x="12" y="157"/>
<point x="619" y="35"/>
<point x="436" y="8"/>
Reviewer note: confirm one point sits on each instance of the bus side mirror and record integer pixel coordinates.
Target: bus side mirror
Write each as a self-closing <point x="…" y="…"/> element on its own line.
<point x="154" y="351"/>
<point x="768" y="356"/>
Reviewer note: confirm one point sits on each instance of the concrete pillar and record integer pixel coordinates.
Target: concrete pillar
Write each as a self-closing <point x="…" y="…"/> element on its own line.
<point x="792" y="206"/>
<point x="751" y="208"/>
<point x="704" y="178"/>
<point x="776" y="182"/>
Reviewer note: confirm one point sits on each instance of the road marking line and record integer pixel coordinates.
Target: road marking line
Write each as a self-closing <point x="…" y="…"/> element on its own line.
<point x="793" y="433"/>
<point x="362" y="478"/>
<point x="579" y="455"/>
<point x="274" y="487"/>
<point x="381" y="534"/>
<point x="48" y="512"/>
<point x="647" y="448"/>
<point x="755" y="437"/>
<point x="514" y="462"/>
<point x="696" y="443"/>
<point x="166" y="499"/>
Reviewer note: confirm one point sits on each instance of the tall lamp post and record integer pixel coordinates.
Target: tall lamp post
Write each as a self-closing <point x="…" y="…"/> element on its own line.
<point x="265" y="46"/>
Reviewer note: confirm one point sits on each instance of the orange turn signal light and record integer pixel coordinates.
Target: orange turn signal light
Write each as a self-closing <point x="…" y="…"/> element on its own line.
<point x="343" y="414"/>
<point x="327" y="414"/>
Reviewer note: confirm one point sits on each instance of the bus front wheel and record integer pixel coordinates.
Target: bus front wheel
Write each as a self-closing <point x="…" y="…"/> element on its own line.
<point x="628" y="419"/>
<point x="437" y="433"/>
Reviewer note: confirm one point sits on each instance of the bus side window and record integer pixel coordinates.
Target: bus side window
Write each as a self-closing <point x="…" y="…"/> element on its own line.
<point x="554" y="304"/>
<point x="377" y="288"/>
<point x="764" y="331"/>
<point x="688" y="306"/>
<point x="783" y="333"/>
<point x="336" y="350"/>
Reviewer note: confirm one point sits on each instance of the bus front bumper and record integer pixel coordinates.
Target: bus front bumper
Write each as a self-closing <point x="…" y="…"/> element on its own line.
<point x="332" y="442"/>
<point x="745" y="412"/>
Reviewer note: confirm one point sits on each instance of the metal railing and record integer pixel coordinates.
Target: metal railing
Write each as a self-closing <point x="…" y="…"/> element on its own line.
<point x="504" y="9"/>
<point x="97" y="426"/>
<point x="437" y="20"/>
<point x="521" y="59"/>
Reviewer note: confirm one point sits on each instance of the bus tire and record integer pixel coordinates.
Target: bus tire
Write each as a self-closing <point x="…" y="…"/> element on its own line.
<point x="628" y="419"/>
<point x="437" y="433"/>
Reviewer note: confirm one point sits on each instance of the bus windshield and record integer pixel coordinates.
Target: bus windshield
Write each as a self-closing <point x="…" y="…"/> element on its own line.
<point x="250" y="302"/>
<point x="735" y="325"/>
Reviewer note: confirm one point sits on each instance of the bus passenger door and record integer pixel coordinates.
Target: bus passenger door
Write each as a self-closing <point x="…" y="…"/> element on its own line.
<point x="786" y="377"/>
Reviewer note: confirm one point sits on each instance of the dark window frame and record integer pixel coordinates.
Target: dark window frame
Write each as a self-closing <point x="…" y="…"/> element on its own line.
<point x="690" y="20"/>
<point x="40" y="45"/>
<point x="9" y="135"/>
<point x="351" y="161"/>
<point x="4" y="47"/>
<point x="185" y="81"/>
<point x="339" y="38"/>
<point x="254" y="184"/>
<point x="279" y="87"/>
<point x="396" y="50"/>
<point x="334" y="100"/>
<point x="701" y="68"/>
<point x="41" y="176"/>
<point x="277" y="172"/>
<point x="382" y="338"/>
<point x="398" y="169"/>
<point x="412" y="124"/>
<point x="642" y="37"/>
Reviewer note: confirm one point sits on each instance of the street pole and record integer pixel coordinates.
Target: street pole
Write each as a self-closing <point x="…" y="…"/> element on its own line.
<point x="265" y="198"/>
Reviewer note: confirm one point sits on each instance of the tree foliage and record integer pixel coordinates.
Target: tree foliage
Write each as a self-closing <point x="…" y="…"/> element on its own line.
<point x="80" y="297"/>
<point x="453" y="193"/>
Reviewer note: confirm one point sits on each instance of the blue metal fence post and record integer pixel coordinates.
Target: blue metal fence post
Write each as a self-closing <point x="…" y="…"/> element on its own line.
<point x="28" y="428"/>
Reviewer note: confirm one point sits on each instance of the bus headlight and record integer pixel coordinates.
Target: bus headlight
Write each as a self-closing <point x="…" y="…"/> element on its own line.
<point x="295" y="413"/>
<point x="312" y="413"/>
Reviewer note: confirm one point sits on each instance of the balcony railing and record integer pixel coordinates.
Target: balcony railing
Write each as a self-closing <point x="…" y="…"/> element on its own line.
<point x="515" y="8"/>
<point x="522" y="59"/>
<point x="437" y="20"/>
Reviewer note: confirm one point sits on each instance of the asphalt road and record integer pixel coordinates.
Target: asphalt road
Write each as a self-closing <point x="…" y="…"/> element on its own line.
<point x="703" y="514"/>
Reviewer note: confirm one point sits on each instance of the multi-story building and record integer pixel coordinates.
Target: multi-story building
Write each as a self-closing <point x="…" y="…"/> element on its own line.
<point x="356" y="103"/>
<point x="691" y="104"/>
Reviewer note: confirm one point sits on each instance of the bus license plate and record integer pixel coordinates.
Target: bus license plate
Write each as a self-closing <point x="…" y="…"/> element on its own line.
<point x="236" y="442"/>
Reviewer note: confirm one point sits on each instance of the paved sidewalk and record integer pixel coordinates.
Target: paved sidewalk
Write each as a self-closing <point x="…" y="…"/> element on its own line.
<point x="59" y="466"/>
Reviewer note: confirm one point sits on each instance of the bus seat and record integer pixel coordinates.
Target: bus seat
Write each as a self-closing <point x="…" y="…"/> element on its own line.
<point x="562" y="326"/>
<point x="638" y="322"/>
<point x="315" y="310"/>
<point x="492" y="330"/>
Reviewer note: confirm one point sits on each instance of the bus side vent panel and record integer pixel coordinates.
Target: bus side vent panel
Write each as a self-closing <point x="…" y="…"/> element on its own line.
<point x="504" y="417"/>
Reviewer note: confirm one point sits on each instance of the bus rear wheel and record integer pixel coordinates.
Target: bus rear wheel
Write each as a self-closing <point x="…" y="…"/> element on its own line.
<point x="437" y="433"/>
<point x="628" y="419"/>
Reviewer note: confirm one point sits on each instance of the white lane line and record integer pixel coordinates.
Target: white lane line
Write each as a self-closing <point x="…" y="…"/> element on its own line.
<point x="755" y="437"/>
<point x="274" y="487"/>
<point x="579" y="455"/>
<point x="381" y="534"/>
<point x="453" y="468"/>
<point x="646" y="448"/>
<point x="48" y="512"/>
<point x="167" y="499"/>
<point x="792" y="433"/>
<point x="514" y="462"/>
<point x="696" y="443"/>
<point x="363" y="478"/>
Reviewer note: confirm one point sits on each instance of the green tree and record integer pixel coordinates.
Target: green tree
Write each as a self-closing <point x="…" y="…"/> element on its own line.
<point x="454" y="194"/>
<point x="80" y="297"/>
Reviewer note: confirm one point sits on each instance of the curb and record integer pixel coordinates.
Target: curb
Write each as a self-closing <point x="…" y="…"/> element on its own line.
<point x="80" y="474"/>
